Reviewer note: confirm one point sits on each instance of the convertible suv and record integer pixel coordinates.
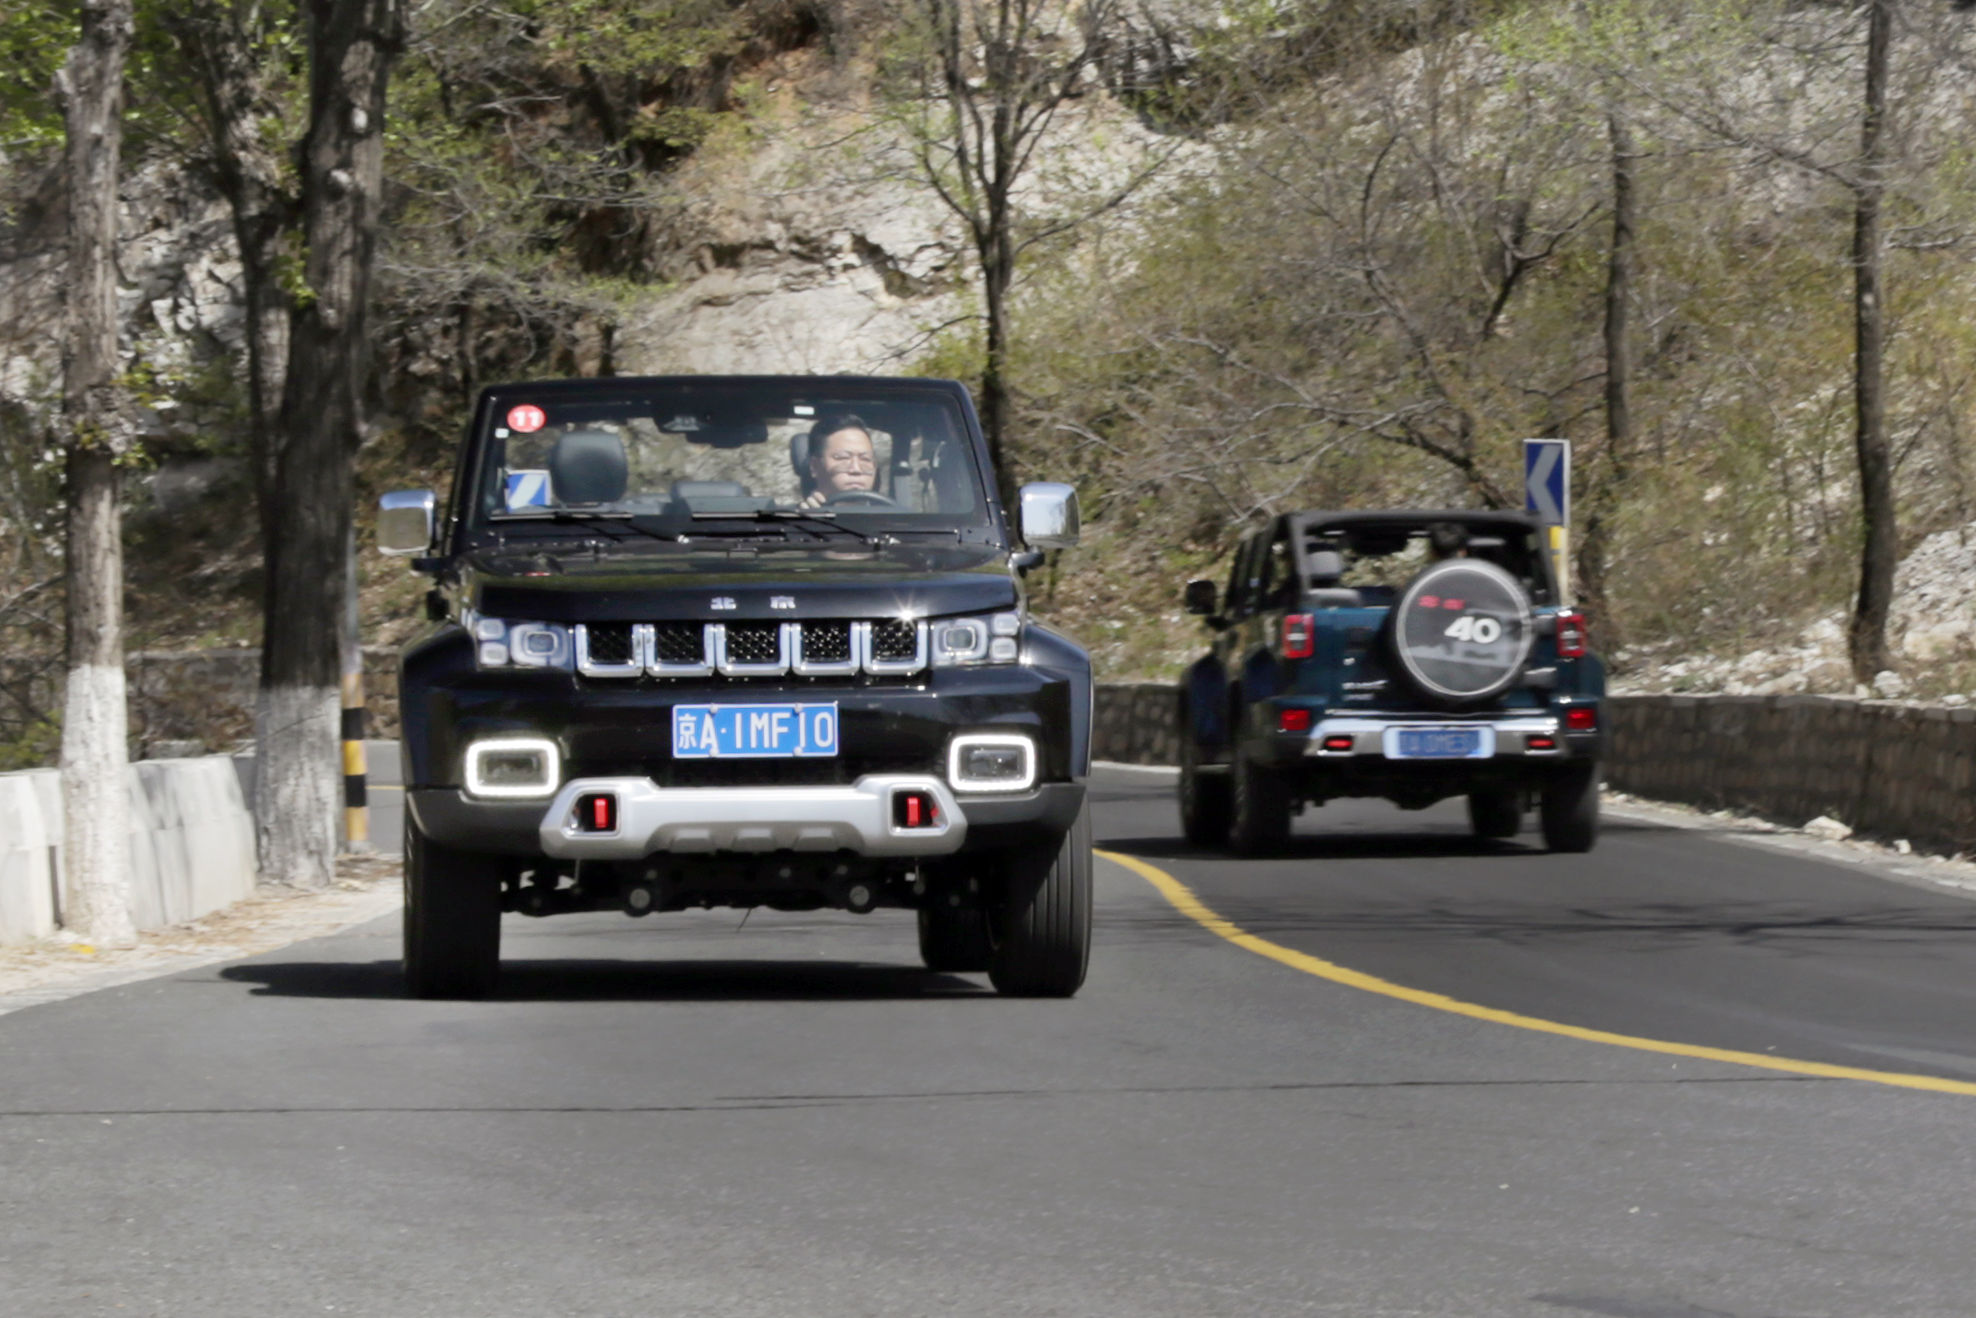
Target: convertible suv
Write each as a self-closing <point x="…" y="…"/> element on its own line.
<point x="1413" y="656"/>
<point x="740" y="642"/>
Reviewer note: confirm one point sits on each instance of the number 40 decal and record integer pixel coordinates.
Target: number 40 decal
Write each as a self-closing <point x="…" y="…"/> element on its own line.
<point x="1482" y="631"/>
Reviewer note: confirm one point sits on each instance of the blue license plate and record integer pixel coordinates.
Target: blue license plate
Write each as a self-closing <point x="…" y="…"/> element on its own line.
<point x="780" y="732"/>
<point x="1440" y="743"/>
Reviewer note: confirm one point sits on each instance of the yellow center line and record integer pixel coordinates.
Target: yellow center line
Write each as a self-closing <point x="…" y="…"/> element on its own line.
<point x="1183" y="899"/>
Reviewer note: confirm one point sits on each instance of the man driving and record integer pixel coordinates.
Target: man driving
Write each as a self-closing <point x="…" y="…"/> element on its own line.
<point x="843" y="460"/>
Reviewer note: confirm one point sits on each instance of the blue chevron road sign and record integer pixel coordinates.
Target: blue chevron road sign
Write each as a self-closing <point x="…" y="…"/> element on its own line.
<point x="1547" y="479"/>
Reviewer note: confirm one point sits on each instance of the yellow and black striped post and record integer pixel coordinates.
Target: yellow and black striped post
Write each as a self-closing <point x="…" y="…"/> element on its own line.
<point x="356" y="807"/>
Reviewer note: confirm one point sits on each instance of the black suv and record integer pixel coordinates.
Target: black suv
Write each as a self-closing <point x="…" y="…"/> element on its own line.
<point x="743" y="641"/>
<point x="1412" y="655"/>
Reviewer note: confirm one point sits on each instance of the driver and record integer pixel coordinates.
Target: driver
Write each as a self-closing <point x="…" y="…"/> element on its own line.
<point x="842" y="459"/>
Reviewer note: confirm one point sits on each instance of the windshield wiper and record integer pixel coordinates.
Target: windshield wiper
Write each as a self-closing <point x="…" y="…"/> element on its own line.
<point x="602" y="519"/>
<point x="809" y="518"/>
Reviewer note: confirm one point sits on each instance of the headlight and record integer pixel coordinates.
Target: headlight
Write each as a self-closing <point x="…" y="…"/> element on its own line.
<point x="499" y="643"/>
<point x="955" y="642"/>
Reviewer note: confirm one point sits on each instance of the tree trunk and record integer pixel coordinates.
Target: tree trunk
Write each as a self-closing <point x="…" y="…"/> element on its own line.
<point x="95" y="768"/>
<point x="298" y="783"/>
<point x="1868" y="638"/>
<point x="995" y="280"/>
<point x="1595" y="546"/>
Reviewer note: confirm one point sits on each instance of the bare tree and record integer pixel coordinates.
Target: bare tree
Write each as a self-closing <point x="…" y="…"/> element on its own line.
<point x="95" y="802"/>
<point x="1867" y="639"/>
<point x="234" y="53"/>
<point x="298" y="782"/>
<point x="1617" y="453"/>
<point x="995" y="75"/>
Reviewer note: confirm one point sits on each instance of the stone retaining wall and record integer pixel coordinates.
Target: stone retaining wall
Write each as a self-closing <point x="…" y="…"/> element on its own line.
<point x="1136" y="723"/>
<point x="192" y="845"/>
<point x="1888" y="769"/>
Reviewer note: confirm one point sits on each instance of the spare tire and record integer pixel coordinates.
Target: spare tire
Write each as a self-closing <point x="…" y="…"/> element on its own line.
<point x="1461" y="632"/>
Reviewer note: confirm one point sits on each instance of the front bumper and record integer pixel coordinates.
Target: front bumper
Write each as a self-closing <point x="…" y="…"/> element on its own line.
<point x="855" y="817"/>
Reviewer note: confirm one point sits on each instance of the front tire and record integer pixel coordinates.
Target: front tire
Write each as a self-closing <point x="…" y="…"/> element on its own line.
<point x="1262" y="806"/>
<point x="452" y="919"/>
<point x="1043" y="931"/>
<point x="1204" y="798"/>
<point x="953" y="940"/>
<point x="1569" y="809"/>
<point x="1495" y="812"/>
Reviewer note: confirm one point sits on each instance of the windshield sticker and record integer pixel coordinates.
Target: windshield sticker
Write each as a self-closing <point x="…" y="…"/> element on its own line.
<point x="527" y="489"/>
<point x="803" y="409"/>
<point x="527" y="419"/>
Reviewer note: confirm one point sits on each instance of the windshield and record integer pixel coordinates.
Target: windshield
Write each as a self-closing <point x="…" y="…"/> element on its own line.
<point x="706" y="454"/>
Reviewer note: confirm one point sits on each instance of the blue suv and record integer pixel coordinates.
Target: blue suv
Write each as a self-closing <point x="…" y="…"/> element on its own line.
<point x="1409" y="655"/>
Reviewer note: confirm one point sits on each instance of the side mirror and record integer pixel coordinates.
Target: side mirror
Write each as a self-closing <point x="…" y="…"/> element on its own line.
<point x="1200" y="597"/>
<point x="1049" y="517"/>
<point x="404" y="522"/>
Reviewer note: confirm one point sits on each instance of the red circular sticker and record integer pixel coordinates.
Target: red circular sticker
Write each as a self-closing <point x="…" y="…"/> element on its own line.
<point x="527" y="418"/>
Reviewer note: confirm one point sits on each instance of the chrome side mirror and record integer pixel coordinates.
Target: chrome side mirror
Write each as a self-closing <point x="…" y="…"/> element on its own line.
<point x="404" y="522"/>
<point x="1049" y="516"/>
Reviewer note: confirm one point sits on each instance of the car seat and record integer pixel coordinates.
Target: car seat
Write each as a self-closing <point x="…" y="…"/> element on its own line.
<point x="588" y="466"/>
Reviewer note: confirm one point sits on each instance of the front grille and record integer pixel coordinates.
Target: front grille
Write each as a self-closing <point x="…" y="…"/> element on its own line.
<point x="883" y="649"/>
<point x="679" y="643"/>
<point x="827" y="642"/>
<point x="894" y="640"/>
<point x="754" y="642"/>
<point x="610" y="643"/>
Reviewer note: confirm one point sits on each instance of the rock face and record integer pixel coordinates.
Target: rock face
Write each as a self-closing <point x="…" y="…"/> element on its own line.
<point x="178" y="296"/>
<point x="799" y="261"/>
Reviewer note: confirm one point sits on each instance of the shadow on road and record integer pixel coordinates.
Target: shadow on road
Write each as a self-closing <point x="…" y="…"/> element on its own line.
<point x="626" y="981"/>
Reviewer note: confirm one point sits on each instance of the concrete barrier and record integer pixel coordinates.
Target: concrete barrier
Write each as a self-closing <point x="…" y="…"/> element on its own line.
<point x="192" y="845"/>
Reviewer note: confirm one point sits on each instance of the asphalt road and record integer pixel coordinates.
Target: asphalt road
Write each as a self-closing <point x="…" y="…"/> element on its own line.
<point x="683" y="1116"/>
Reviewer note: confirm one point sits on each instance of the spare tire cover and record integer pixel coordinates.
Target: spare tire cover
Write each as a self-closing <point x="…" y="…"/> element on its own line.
<point x="1462" y="631"/>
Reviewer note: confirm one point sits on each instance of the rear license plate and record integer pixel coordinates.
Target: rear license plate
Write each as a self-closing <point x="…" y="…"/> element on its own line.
<point x="1440" y="743"/>
<point x="779" y="732"/>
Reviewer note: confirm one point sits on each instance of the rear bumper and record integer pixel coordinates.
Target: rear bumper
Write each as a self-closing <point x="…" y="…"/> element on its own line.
<point x="1512" y="737"/>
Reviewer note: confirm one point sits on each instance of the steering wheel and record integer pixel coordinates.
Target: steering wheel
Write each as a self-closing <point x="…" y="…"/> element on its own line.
<point x="872" y="497"/>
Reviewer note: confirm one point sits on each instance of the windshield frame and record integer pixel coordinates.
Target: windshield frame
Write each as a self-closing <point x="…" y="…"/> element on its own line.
<point x="470" y="526"/>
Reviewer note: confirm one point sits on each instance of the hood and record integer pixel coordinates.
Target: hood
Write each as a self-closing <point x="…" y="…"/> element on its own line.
<point x="709" y="587"/>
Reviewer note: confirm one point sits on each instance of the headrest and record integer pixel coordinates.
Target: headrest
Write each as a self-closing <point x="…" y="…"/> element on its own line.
<point x="799" y="453"/>
<point x="1326" y="566"/>
<point x="588" y="466"/>
<point x="686" y="490"/>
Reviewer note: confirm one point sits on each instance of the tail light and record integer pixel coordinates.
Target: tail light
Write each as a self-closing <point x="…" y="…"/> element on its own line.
<point x="1299" y="635"/>
<point x="1293" y="720"/>
<point x="1571" y="635"/>
<point x="1582" y="718"/>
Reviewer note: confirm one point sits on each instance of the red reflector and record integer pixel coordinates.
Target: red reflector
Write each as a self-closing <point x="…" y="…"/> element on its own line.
<point x="1541" y="744"/>
<point x="1581" y="718"/>
<point x="597" y="814"/>
<point x="1571" y="635"/>
<point x="1293" y="720"/>
<point x="915" y="810"/>
<point x="1299" y="636"/>
<point x="1339" y="743"/>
